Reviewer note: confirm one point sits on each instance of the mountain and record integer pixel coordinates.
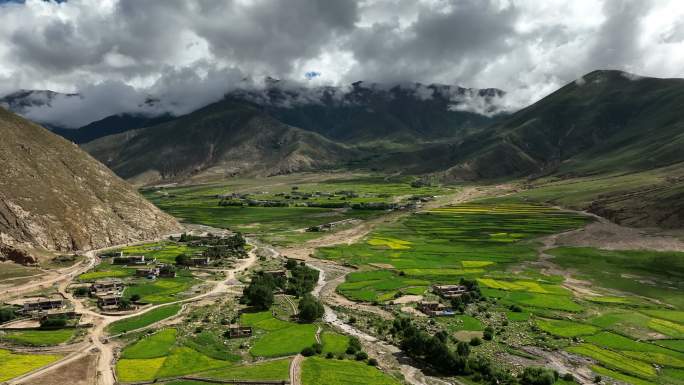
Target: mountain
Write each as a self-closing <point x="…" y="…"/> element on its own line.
<point x="366" y="112"/>
<point x="223" y="139"/>
<point x="20" y="101"/>
<point x="55" y="196"/>
<point x="109" y="126"/>
<point x="605" y="122"/>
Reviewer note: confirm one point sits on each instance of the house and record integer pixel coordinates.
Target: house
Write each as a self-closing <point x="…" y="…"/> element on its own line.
<point x="449" y="291"/>
<point x="42" y="304"/>
<point x="237" y="331"/>
<point x="106" y="287"/>
<point x="109" y="301"/>
<point x="200" y="261"/>
<point x="434" y="309"/>
<point x="150" y="273"/>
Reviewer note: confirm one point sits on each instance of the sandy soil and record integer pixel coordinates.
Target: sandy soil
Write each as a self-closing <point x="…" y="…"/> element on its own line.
<point x="79" y="372"/>
<point x="606" y="235"/>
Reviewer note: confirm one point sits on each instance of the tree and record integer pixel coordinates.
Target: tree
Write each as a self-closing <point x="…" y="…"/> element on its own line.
<point x="183" y="260"/>
<point x="537" y="376"/>
<point x="360" y="356"/>
<point x="463" y="349"/>
<point x="6" y="314"/>
<point x="124" y="304"/>
<point x="53" y="322"/>
<point x="475" y="341"/>
<point x="310" y="309"/>
<point x="80" y="291"/>
<point x="488" y="333"/>
<point x="259" y="295"/>
<point x="135" y="297"/>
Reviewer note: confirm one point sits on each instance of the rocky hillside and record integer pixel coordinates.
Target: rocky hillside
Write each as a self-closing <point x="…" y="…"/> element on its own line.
<point x="55" y="196"/>
<point x="223" y="139"/>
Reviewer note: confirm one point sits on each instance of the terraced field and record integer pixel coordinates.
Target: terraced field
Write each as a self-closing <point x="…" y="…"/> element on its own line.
<point x="316" y="370"/>
<point x="143" y="320"/>
<point x="38" y="337"/>
<point x="277" y="338"/>
<point x="13" y="365"/>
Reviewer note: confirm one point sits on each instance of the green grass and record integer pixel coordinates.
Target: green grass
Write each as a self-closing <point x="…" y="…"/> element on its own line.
<point x="163" y="251"/>
<point x="283" y="342"/>
<point x="153" y="346"/>
<point x="161" y="290"/>
<point x="334" y="342"/>
<point x="565" y="329"/>
<point x="517" y="316"/>
<point x="107" y="270"/>
<point x="270" y="370"/>
<point x="14" y="365"/>
<point x="670" y="315"/>
<point x="643" y="351"/>
<point x="38" y="337"/>
<point x="143" y="320"/>
<point x="636" y="324"/>
<point x="183" y="360"/>
<point x="316" y="371"/>
<point x="138" y="370"/>
<point x="677" y="345"/>
<point x="620" y="376"/>
<point x="615" y="360"/>
<point x="263" y="320"/>
<point x="653" y="274"/>
<point x="211" y="345"/>
<point x="443" y="245"/>
<point x="541" y="301"/>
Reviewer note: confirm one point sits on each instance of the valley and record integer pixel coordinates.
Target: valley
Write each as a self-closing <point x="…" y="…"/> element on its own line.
<point x="380" y="254"/>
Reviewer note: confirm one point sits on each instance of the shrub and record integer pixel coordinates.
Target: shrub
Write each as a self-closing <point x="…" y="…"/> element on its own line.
<point x="329" y="355"/>
<point x="308" y="351"/>
<point x="475" y="341"/>
<point x="360" y="356"/>
<point x="372" y="362"/>
<point x="537" y="376"/>
<point x="318" y="348"/>
<point x="488" y="333"/>
<point x="53" y="323"/>
<point x="568" y="377"/>
<point x="135" y="297"/>
<point x="310" y="309"/>
<point x="516" y="309"/>
<point x="598" y="379"/>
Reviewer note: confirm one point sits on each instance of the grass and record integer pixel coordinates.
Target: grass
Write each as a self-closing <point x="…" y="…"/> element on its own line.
<point x="107" y="270"/>
<point x="565" y="329"/>
<point x="211" y="345"/>
<point x="38" y="337"/>
<point x="153" y="346"/>
<point x="271" y="370"/>
<point x="443" y="245"/>
<point x="161" y="290"/>
<point x="677" y="345"/>
<point x="636" y="324"/>
<point x="541" y="301"/>
<point x="163" y="251"/>
<point x="461" y="322"/>
<point x="14" y="365"/>
<point x="276" y="337"/>
<point x="620" y="376"/>
<point x="143" y="320"/>
<point x="316" y="370"/>
<point x="334" y="342"/>
<point x="615" y="360"/>
<point x="138" y="370"/>
<point x="184" y="360"/>
<point x="652" y="274"/>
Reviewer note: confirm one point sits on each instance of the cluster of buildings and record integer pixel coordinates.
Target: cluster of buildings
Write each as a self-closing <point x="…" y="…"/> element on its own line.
<point x="447" y="292"/>
<point x="108" y="293"/>
<point x="44" y="307"/>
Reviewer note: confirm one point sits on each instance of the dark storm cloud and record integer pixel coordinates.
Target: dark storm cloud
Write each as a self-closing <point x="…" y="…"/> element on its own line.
<point x="189" y="52"/>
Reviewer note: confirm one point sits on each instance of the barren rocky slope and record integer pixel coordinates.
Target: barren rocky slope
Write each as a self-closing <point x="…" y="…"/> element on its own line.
<point x="55" y="196"/>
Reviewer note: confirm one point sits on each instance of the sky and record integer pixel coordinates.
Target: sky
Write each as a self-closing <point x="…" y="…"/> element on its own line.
<point x="187" y="53"/>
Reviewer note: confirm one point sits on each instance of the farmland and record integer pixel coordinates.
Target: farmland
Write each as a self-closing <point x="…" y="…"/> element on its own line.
<point x="143" y="320"/>
<point x="276" y="337"/>
<point x="333" y="372"/>
<point x="13" y="365"/>
<point x="38" y="337"/>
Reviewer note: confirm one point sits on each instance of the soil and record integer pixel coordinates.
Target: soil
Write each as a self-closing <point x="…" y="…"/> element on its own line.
<point x="79" y="372"/>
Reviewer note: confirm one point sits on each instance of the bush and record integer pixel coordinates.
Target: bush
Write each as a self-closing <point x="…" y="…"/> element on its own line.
<point x="372" y="362"/>
<point x="135" y="297"/>
<point x="329" y="355"/>
<point x="6" y="314"/>
<point x="308" y="351"/>
<point x="183" y="260"/>
<point x="360" y="356"/>
<point x="475" y="341"/>
<point x="488" y="333"/>
<point x="81" y="291"/>
<point x="516" y="309"/>
<point x="568" y="377"/>
<point x="598" y="379"/>
<point x="318" y="348"/>
<point x="53" y="323"/>
<point x="537" y="376"/>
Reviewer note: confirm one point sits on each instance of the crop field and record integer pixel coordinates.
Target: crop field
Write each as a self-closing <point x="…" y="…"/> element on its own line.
<point x="160" y="290"/>
<point x="276" y="337"/>
<point x="282" y="225"/>
<point x="334" y="342"/>
<point x="535" y="300"/>
<point x="38" y="337"/>
<point x="620" y="376"/>
<point x="270" y="370"/>
<point x="107" y="270"/>
<point x="316" y="370"/>
<point x="164" y="251"/>
<point x="628" y="270"/>
<point x="615" y="360"/>
<point x="143" y="320"/>
<point x="14" y="365"/>
<point x="637" y="325"/>
<point x="677" y="345"/>
<point x="442" y="245"/>
<point x="159" y="356"/>
<point x="565" y="328"/>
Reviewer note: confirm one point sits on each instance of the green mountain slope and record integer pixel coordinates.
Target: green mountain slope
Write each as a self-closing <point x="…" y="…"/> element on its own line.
<point x="224" y="139"/>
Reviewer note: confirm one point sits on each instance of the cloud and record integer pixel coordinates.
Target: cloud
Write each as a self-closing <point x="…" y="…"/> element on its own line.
<point x="188" y="52"/>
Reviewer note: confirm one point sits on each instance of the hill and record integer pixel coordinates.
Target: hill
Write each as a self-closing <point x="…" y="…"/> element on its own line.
<point x="606" y="122"/>
<point x="55" y="196"/>
<point x="223" y="139"/>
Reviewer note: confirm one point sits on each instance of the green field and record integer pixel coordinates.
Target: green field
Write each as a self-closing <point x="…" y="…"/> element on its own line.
<point x="276" y="337"/>
<point x="334" y="342"/>
<point x="14" y="365"/>
<point x="442" y="245"/>
<point x="615" y="360"/>
<point x="164" y="251"/>
<point x="628" y="270"/>
<point x="143" y="320"/>
<point x="270" y="370"/>
<point x="107" y="270"/>
<point x="565" y="328"/>
<point x="316" y="371"/>
<point x="637" y="325"/>
<point x="161" y="290"/>
<point x="38" y="337"/>
<point x="152" y="346"/>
